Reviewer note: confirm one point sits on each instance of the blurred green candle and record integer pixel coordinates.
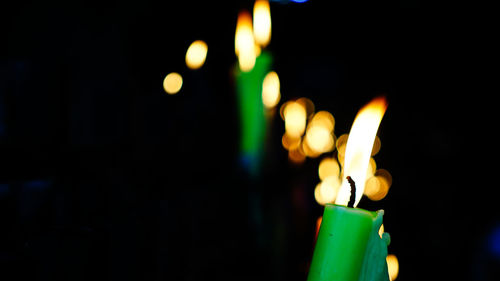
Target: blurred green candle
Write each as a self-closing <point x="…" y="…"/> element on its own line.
<point x="249" y="75"/>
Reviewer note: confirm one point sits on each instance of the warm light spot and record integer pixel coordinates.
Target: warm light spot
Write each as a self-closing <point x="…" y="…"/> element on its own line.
<point x="378" y="185"/>
<point x="326" y="191"/>
<point x="244" y="44"/>
<point x="323" y="119"/>
<point x="328" y="167"/>
<point x="307" y="104"/>
<point x="271" y="90"/>
<point x="318" y="225"/>
<point x="295" y="119"/>
<point x="376" y="145"/>
<point x="392" y="266"/>
<point x="359" y="147"/>
<point x="381" y="230"/>
<point x="262" y="22"/>
<point x="196" y="54"/>
<point x="290" y="142"/>
<point x="319" y="139"/>
<point x="172" y="83"/>
<point x="296" y="156"/>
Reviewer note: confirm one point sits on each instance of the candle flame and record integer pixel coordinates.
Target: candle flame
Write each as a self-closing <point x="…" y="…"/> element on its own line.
<point x="262" y="22"/>
<point x="244" y="43"/>
<point x="359" y="147"/>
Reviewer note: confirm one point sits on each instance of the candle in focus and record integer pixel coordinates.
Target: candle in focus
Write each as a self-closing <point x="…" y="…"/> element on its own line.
<point x="349" y="247"/>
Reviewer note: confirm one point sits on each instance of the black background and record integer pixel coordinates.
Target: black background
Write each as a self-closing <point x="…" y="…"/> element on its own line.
<point x="103" y="176"/>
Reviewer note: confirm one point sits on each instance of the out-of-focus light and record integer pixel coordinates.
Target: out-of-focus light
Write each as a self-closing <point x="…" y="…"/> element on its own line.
<point x="244" y="44"/>
<point x="172" y="83"/>
<point x="196" y="54"/>
<point x="307" y="104"/>
<point x="359" y="148"/>
<point x="378" y="186"/>
<point x="323" y="119"/>
<point x="377" y="144"/>
<point x="381" y="230"/>
<point x="318" y="225"/>
<point x="328" y="167"/>
<point x="296" y="156"/>
<point x="326" y="191"/>
<point x="271" y="90"/>
<point x="262" y="22"/>
<point x="392" y="266"/>
<point x="319" y="139"/>
<point x="295" y="119"/>
<point x="299" y="1"/>
<point x="290" y="142"/>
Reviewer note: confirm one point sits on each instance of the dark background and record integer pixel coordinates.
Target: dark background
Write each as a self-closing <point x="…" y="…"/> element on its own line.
<point x="103" y="176"/>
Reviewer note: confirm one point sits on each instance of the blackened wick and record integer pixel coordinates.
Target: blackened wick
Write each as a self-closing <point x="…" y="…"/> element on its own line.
<point x="353" y="192"/>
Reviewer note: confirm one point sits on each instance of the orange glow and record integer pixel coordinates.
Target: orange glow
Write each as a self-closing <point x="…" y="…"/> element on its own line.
<point x="172" y="83"/>
<point x="326" y="191"/>
<point x="290" y="142"/>
<point x="392" y="266"/>
<point x="328" y="167"/>
<point x="296" y="156"/>
<point x="294" y="114"/>
<point x="359" y="147"/>
<point x="196" y="54"/>
<point x="319" y="139"/>
<point x="381" y="230"/>
<point x="244" y="44"/>
<point x="271" y="90"/>
<point x="318" y="225"/>
<point x="262" y="22"/>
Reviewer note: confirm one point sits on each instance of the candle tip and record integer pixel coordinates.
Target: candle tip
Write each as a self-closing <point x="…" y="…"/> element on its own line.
<point x="353" y="192"/>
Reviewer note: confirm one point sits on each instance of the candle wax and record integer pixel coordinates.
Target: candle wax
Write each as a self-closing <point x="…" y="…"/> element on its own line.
<point x="252" y="118"/>
<point x="349" y="247"/>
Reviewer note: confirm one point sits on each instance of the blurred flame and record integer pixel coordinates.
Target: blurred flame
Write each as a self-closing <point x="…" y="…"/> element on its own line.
<point x="271" y="90"/>
<point x="262" y="22"/>
<point x="172" y="83"/>
<point x="294" y="114"/>
<point x="244" y="44"/>
<point x="359" y="147"/>
<point x="392" y="266"/>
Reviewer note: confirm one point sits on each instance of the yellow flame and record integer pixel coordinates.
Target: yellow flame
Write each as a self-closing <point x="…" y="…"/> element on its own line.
<point x="271" y="90"/>
<point x="262" y="22"/>
<point x="196" y="54"/>
<point x="172" y="83"/>
<point x="359" y="147"/>
<point x="244" y="44"/>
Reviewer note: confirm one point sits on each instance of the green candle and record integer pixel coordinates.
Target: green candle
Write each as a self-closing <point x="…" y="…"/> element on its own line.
<point x="251" y="109"/>
<point x="346" y="237"/>
<point x="349" y="247"/>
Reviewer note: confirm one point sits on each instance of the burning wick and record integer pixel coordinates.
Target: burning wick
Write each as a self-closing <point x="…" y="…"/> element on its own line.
<point x="353" y="192"/>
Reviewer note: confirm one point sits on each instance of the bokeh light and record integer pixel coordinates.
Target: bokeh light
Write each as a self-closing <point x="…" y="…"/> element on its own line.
<point x="392" y="266"/>
<point x="294" y="114"/>
<point x="271" y="90"/>
<point x="196" y="54"/>
<point x="290" y="142"/>
<point x="297" y="155"/>
<point x="326" y="191"/>
<point x="172" y="83"/>
<point x="262" y="22"/>
<point x="244" y="44"/>
<point x="328" y="167"/>
<point x="319" y="139"/>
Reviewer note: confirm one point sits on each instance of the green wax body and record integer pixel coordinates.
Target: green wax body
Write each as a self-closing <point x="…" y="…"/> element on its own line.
<point x="341" y="245"/>
<point x="251" y="108"/>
